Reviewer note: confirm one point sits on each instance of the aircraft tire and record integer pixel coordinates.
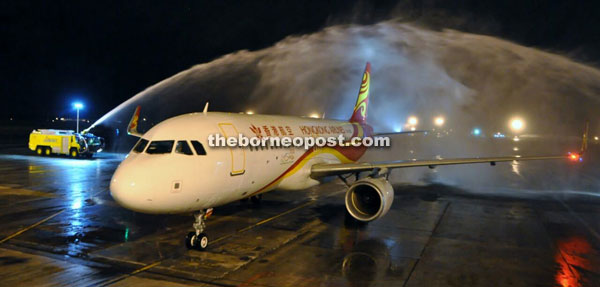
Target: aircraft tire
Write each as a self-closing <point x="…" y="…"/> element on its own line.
<point x="196" y="242"/>
<point x="202" y="241"/>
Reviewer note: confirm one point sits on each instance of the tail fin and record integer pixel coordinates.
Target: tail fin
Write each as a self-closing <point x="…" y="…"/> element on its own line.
<point x="133" y="123"/>
<point x="360" y="109"/>
<point x="584" y="140"/>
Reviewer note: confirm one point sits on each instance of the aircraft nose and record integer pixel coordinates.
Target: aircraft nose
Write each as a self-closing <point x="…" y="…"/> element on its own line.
<point x="127" y="188"/>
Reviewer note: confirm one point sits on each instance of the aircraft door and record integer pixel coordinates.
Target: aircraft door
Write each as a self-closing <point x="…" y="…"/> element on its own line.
<point x="238" y="154"/>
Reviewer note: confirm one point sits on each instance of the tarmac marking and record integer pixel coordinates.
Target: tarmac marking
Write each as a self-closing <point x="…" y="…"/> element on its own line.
<point x="114" y="261"/>
<point x="152" y="265"/>
<point x="255" y="277"/>
<point x="31" y="226"/>
<point x="274" y="217"/>
<point x="4" y="190"/>
<point x="124" y="276"/>
<point x="437" y="224"/>
<point x="264" y="221"/>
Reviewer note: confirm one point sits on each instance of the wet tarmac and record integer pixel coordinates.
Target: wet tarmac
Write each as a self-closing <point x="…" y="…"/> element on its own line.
<point x="59" y="226"/>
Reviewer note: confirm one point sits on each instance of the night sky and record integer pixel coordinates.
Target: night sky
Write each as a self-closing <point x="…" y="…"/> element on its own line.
<point x="103" y="53"/>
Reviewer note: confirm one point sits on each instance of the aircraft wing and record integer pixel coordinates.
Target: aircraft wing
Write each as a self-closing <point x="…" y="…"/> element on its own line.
<point x="399" y="133"/>
<point x="320" y="170"/>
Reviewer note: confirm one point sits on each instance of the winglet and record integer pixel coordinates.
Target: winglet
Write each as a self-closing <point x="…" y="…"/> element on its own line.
<point x="360" y="109"/>
<point x="584" y="140"/>
<point x="133" y="124"/>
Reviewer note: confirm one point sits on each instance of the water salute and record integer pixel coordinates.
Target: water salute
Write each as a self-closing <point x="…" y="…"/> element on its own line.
<point x="300" y="143"/>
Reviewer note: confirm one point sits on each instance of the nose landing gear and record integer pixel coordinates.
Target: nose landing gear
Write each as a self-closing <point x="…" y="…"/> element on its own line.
<point x="198" y="239"/>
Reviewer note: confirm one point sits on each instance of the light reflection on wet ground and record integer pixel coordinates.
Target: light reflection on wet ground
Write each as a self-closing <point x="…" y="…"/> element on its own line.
<point x="528" y="231"/>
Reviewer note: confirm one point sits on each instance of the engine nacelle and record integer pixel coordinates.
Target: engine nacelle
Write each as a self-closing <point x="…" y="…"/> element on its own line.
<point x="369" y="198"/>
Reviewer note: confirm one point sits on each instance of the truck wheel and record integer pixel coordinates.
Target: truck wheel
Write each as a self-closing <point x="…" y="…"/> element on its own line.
<point x="39" y="150"/>
<point x="74" y="153"/>
<point x="47" y="151"/>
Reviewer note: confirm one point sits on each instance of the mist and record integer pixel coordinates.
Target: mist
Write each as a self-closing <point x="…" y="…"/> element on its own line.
<point x="472" y="80"/>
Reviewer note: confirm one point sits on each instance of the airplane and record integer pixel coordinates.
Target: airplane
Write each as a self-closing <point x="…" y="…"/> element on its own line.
<point x="172" y="169"/>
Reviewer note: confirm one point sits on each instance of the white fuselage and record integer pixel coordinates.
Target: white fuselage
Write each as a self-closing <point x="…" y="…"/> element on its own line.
<point x="174" y="182"/>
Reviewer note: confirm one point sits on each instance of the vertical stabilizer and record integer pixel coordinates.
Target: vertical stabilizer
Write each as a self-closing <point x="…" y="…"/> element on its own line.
<point x="584" y="140"/>
<point x="360" y="109"/>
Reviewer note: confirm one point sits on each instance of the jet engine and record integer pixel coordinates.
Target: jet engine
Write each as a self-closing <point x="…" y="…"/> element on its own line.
<point x="369" y="198"/>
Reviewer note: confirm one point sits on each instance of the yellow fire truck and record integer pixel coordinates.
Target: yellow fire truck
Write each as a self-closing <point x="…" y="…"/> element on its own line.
<point x="66" y="142"/>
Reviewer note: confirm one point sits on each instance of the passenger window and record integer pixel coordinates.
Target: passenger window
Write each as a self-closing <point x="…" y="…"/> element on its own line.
<point x="182" y="147"/>
<point x="199" y="148"/>
<point x="139" y="146"/>
<point x="160" y="147"/>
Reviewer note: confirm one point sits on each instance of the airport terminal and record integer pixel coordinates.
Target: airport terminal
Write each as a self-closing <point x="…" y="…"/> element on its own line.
<point x="485" y="171"/>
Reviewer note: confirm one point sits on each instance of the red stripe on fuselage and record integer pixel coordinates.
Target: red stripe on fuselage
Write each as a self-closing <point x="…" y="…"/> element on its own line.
<point x="351" y="152"/>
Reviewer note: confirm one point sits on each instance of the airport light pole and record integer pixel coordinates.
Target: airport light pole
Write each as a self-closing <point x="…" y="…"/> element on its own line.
<point x="78" y="106"/>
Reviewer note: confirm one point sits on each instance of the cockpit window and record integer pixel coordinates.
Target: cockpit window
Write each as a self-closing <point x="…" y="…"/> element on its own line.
<point x="199" y="148"/>
<point x="182" y="147"/>
<point x="160" y="147"/>
<point x="140" y="145"/>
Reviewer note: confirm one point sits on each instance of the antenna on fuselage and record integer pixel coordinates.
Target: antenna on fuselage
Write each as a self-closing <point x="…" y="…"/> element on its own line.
<point x="205" y="109"/>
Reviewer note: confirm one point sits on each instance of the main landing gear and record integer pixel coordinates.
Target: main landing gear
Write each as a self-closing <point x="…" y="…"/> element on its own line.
<point x="256" y="199"/>
<point x="198" y="239"/>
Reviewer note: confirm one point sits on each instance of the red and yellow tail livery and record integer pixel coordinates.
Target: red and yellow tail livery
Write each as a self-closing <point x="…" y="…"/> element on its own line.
<point x="360" y="109"/>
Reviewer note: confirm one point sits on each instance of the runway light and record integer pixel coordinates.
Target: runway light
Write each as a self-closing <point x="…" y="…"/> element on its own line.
<point x="595" y="138"/>
<point x="499" y="135"/>
<point x="517" y="124"/>
<point x="413" y="129"/>
<point x="516" y="139"/>
<point x="314" y="116"/>
<point x="515" y="148"/>
<point x="476" y="132"/>
<point x="249" y="112"/>
<point x="439" y="121"/>
<point x="413" y="121"/>
<point x="575" y="156"/>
